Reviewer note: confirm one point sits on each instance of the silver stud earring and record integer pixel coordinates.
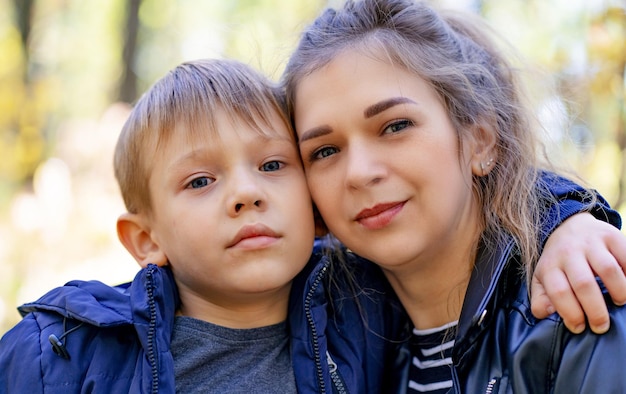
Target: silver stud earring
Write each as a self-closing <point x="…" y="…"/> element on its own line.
<point x="483" y="166"/>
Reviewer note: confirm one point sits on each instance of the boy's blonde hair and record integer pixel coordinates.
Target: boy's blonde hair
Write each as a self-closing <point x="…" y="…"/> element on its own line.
<point x="186" y="101"/>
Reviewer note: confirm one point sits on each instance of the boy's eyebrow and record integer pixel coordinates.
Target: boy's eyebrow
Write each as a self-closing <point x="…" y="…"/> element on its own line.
<point x="380" y="106"/>
<point x="189" y="156"/>
<point x="199" y="153"/>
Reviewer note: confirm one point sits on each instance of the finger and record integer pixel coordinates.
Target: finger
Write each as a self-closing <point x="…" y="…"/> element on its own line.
<point x="562" y="297"/>
<point x="611" y="274"/>
<point x="586" y="289"/>
<point x="540" y="304"/>
<point x="611" y="269"/>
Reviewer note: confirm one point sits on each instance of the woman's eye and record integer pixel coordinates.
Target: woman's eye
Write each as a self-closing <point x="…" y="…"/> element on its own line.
<point x="272" y="166"/>
<point x="397" y="126"/>
<point x="323" y="153"/>
<point x="199" y="182"/>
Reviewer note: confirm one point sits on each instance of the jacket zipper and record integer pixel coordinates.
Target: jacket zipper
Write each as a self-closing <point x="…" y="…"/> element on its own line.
<point x="340" y="388"/>
<point x="490" y="386"/>
<point x="309" y="317"/>
<point x="152" y="331"/>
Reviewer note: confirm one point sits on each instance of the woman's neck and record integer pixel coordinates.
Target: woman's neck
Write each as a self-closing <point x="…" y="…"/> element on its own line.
<point x="432" y="293"/>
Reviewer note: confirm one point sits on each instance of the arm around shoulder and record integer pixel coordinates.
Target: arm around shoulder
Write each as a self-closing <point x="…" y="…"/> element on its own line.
<point x="571" y="199"/>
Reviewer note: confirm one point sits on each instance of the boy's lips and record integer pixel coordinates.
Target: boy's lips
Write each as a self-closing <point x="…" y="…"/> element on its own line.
<point x="379" y="215"/>
<point x="254" y="235"/>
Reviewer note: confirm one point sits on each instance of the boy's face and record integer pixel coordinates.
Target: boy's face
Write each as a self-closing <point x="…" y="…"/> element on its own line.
<point x="232" y="212"/>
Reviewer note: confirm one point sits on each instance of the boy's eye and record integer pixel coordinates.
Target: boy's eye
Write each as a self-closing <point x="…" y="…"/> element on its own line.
<point x="323" y="153"/>
<point x="397" y="126"/>
<point x="272" y="166"/>
<point x="199" y="182"/>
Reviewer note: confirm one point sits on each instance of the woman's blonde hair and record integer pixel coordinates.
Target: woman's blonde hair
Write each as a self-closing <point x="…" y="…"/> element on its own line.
<point x="456" y="55"/>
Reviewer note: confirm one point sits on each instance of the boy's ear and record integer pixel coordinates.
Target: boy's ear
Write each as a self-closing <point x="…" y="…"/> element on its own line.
<point x="135" y="235"/>
<point x="483" y="148"/>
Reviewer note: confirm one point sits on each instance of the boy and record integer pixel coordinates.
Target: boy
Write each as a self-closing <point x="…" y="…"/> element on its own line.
<point x="220" y="220"/>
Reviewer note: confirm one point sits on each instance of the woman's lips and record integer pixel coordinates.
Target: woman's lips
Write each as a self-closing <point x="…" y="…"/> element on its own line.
<point x="380" y="215"/>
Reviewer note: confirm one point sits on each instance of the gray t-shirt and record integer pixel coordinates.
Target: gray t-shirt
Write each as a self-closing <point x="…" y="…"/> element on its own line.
<point x="214" y="359"/>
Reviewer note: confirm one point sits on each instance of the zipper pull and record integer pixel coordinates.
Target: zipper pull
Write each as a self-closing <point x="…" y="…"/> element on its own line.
<point x="332" y="365"/>
<point x="490" y="386"/>
<point x="339" y="387"/>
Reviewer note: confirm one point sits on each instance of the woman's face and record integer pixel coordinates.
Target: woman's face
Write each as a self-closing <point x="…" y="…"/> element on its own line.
<point x="383" y="164"/>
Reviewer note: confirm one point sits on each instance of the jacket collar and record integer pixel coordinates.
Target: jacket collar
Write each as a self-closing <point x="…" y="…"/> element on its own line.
<point x="101" y="305"/>
<point x="483" y="292"/>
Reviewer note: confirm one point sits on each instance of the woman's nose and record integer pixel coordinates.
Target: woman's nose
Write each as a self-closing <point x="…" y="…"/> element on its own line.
<point x="365" y="166"/>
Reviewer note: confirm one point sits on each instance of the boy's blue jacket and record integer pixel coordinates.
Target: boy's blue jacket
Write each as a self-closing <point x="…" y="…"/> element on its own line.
<point x="90" y="337"/>
<point x="117" y="339"/>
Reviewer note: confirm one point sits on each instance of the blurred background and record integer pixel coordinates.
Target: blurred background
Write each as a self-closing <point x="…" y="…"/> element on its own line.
<point x="71" y="69"/>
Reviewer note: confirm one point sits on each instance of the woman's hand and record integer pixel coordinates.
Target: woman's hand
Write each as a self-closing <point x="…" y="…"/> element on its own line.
<point x="578" y="250"/>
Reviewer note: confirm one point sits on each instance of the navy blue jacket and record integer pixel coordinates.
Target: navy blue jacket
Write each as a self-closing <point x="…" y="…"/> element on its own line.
<point x="333" y="351"/>
<point x="110" y="339"/>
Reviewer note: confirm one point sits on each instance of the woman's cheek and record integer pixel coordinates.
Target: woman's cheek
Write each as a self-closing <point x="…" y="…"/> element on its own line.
<point x="321" y="195"/>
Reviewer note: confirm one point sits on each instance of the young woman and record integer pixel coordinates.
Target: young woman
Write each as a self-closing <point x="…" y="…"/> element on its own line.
<point x="421" y="158"/>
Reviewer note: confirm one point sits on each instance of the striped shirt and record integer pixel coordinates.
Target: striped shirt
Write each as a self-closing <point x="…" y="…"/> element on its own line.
<point x="431" y="359"/>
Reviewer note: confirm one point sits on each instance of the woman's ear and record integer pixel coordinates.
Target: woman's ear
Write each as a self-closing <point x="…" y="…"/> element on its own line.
<point x="134" y="233"/>
<point x="483" y="149"/>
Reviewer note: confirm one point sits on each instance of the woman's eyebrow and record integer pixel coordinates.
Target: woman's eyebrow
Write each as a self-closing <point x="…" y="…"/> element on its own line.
<point x="380" y="106"/>
<point x="370" y="111"/>
<point x="314" y="133"/>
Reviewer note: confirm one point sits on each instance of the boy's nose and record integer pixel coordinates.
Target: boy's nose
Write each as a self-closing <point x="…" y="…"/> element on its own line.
<point x="240" y="206"/>
<point x="245" y="193"/>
